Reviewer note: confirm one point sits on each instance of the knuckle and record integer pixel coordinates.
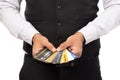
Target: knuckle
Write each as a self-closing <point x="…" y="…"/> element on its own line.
<point x="34" y="52"/>
<point x="49" y="46"/>
<point x="62" y="45"/>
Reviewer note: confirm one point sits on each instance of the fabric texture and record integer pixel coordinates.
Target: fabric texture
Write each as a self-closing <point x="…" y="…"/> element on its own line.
<point x="84" y="70"/>
<point x="12" y="19"/>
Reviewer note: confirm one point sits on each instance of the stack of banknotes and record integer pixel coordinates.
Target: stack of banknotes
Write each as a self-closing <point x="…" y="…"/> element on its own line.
<point x="55" y="58"/>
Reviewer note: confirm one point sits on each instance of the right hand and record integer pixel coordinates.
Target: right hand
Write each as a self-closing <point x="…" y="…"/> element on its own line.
<point x="40" y="42"/>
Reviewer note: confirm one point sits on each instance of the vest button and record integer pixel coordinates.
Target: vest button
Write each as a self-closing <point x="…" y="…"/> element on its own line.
<point x="58" y="6"/>
<point x="59" y="40"/>
<point x="59" y="24"/>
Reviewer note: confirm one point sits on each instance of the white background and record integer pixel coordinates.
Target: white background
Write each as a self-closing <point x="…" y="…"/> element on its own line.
<point x="11" y="54"/>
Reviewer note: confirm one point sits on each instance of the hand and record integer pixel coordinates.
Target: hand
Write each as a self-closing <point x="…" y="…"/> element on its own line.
<point x="74" y="43"/>
<point x="40" y="42"/>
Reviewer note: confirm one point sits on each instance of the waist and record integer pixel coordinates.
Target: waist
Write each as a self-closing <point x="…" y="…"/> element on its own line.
<point x="89" y="51"/>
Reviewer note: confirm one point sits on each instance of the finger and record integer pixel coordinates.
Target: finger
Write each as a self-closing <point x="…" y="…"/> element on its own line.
<point x="76" y="50"/>
<point x="63" y="46"/>
<point x="50" y="46"/>
<point x="36" y="49"/>
<point x="70" y="49"/>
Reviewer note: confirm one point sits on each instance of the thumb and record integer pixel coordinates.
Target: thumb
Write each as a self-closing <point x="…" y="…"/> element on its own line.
<point x="50" y="47"/>
<point x="63" y="46"/>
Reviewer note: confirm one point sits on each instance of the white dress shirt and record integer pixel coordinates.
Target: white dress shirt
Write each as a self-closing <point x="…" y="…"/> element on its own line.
<point x="22" y="29"/>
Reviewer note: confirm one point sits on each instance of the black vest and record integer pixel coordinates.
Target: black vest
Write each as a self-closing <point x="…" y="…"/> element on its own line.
<point x="58" y="19"/>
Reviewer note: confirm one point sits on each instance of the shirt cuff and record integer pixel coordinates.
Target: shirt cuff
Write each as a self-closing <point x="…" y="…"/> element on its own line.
<point x="28" y="33"/>
<point x="90" y="33"/>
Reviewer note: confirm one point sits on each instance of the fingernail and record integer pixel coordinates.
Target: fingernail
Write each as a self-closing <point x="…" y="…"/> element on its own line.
<point x="58" y="49"/>
<point x="54" y="49"/>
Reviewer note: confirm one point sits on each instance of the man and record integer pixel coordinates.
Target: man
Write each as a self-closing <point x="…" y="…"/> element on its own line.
<point x="57" y="25"/>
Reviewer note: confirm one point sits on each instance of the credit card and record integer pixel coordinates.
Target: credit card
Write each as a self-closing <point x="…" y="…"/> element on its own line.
<point x="48" y="56"/>
<point x="57" y="58"/>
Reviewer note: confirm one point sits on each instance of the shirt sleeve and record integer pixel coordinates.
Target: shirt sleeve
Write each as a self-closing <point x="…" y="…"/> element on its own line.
<point x="15" y="23"/>
<point x="109" y="19"/>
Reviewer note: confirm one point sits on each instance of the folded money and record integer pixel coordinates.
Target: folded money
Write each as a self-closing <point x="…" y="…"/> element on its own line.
<point x="55" y="58"/>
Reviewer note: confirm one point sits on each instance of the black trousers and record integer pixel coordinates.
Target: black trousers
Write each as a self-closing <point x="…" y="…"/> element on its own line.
<point x="35" y="70"/>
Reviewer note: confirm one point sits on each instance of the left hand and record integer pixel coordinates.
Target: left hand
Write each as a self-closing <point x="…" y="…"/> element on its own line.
<point x="74" y="43"/>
